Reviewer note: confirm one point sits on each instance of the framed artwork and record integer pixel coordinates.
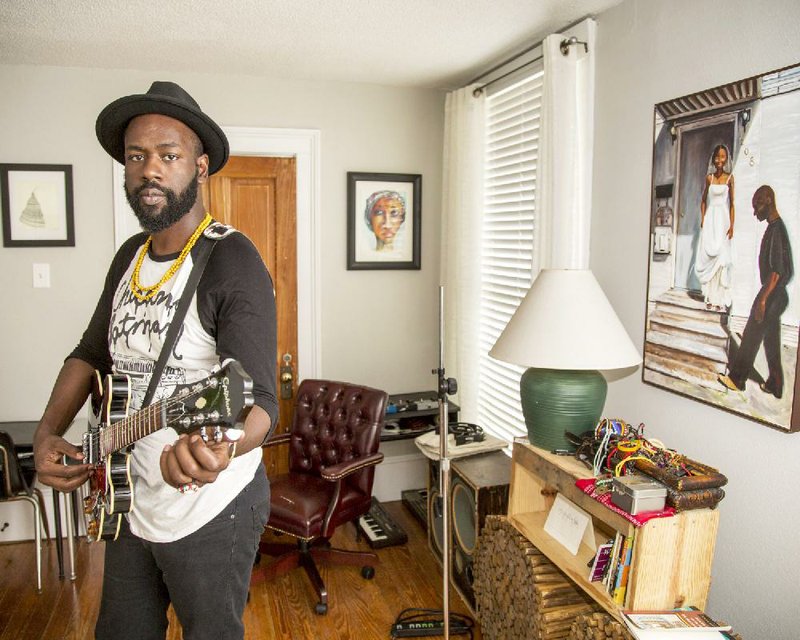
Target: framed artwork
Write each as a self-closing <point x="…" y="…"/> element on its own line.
<point x="383" y="220"/>
<point x="37" y="205"/>
<point x="723" y="297"/>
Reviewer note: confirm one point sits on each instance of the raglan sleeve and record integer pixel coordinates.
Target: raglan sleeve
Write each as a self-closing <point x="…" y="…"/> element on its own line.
<point x="236" y="303"/>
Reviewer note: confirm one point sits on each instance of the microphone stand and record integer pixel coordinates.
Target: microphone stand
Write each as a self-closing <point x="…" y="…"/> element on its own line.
<point x="446" y="386"/>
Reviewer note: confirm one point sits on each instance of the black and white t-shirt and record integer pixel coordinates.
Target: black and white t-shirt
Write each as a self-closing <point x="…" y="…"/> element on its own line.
<point x="232" y="316"/>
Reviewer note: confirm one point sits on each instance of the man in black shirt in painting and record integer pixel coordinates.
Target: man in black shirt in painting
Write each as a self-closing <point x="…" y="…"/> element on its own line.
<point x="776" y="269"/>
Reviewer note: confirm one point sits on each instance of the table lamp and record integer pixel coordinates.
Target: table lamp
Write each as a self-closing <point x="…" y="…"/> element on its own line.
<point x="566" y="331"/>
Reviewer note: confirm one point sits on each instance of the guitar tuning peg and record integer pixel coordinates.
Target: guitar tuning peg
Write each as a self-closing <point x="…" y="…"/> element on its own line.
<point x="217" y="434"/>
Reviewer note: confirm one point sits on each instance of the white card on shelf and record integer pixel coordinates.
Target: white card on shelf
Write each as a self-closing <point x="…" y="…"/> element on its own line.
<point x="570" y="525"/>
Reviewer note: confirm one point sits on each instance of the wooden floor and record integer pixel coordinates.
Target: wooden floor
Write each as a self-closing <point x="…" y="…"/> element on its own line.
<point x="408" y="576"/>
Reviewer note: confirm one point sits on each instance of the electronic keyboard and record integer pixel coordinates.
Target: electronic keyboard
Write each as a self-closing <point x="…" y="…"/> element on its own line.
<point x="379" y="528"/>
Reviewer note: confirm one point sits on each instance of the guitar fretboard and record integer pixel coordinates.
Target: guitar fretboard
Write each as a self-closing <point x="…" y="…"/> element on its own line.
<point x="125" y="432"/>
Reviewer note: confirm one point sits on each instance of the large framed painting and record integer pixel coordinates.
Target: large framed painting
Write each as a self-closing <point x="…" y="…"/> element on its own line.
<point x="383" y="220"/>
<point x="723" y="297"/>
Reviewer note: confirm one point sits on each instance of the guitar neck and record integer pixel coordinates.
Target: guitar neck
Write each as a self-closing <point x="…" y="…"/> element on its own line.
<point x="125" y="432"/>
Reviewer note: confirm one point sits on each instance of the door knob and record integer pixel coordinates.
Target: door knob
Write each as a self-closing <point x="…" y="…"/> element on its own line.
<point x="286" y="377"/>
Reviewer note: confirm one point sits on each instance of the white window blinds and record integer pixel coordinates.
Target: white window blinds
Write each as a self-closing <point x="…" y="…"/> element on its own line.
<point x="507" y="260"/>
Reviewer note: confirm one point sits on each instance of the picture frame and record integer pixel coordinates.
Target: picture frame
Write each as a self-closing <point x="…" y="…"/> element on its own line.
<point x="379" y="236"/>
<point x="37" y="205"/>
<point x="725" y="210"/>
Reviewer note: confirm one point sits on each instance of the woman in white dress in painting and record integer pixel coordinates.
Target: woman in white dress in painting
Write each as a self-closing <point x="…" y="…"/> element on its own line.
<point x="713" y="262"/>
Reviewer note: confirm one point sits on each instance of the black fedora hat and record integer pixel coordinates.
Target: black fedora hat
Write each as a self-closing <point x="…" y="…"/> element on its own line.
<point x="165" y="98"/>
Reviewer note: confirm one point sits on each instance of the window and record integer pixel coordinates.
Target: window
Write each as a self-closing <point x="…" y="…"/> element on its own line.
<point x="513" y="116"/>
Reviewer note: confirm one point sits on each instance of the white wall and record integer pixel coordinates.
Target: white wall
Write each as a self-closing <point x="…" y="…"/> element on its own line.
<point x="378" y="327"/>
<point x="648" y="52"/>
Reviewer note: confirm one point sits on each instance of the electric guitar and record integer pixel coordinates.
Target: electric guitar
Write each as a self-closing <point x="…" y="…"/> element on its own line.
<point x="216" y="406"/>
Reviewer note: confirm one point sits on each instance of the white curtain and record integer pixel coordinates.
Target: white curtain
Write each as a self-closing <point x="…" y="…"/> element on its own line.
<point x="565" y="173"/>
<point x="462" y="204"/>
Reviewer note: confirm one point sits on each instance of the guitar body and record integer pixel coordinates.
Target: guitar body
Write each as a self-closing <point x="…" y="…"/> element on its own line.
<point x="110" y="486"/>
<point x="216" y="407"/>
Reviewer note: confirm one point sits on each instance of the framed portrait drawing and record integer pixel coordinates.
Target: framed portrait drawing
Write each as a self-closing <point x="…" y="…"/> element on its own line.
<point x="723" y="297"/>
<point x="37" y="205"/>
<point x="383" y="220"/>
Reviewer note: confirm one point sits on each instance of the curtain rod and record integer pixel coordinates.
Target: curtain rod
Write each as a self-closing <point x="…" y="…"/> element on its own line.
<point x="515" y="57"/>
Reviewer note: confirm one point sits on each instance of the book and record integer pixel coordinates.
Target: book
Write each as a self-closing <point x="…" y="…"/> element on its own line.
<point x="672" y="623"/>
<point x="611" y="566"/>
<point x="678" y="634"/>
<point x="600" y="562"/>
<point x="625" y="566"/>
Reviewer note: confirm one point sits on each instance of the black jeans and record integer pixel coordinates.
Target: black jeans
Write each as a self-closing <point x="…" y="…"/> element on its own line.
<point x="206" y="575"/>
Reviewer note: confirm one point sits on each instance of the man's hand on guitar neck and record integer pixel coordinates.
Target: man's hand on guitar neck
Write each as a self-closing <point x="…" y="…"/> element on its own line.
<point x="190" y="461"/>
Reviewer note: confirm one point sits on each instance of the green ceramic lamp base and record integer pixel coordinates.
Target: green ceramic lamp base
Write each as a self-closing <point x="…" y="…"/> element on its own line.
<point x="555" y="401"/>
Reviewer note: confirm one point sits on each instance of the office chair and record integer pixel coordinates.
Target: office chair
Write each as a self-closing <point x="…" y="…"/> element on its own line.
<point x="17" y="484"/>
<point x="333" y="449"/>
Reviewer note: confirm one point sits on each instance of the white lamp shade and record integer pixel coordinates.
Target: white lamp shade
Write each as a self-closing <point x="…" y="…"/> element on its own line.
<point x="566" y="322"/>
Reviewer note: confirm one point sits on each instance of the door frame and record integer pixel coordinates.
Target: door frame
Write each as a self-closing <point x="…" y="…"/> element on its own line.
<point x="304" y="145"/>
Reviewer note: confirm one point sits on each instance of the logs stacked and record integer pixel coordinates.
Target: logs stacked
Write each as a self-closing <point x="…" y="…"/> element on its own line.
<point x="598" y="626"/>
<point x="519" y="593"/>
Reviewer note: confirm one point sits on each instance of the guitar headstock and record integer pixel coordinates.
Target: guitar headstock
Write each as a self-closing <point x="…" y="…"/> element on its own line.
<point x="222" y="400"/>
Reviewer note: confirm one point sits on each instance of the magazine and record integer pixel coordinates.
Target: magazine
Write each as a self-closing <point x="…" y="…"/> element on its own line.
<point x="686" y="620"/>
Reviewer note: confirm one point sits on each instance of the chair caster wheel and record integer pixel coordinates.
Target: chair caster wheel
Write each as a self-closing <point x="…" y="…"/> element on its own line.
<point x="368" y="573"/>
<point x="321" y="608"/>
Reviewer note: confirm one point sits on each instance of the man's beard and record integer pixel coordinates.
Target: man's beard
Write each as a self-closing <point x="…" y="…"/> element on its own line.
<point x="175" y="208"/>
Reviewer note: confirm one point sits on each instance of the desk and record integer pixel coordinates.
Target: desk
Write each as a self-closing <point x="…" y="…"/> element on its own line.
<point x="409" y="415"/>
<point x="21" y="433"/>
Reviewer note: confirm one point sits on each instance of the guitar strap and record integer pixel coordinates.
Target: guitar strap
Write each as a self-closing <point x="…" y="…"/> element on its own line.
<point x="206" y="245"/>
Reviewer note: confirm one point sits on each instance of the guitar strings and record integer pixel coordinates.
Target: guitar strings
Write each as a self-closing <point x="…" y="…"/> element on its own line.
<point x="123" y="427"/>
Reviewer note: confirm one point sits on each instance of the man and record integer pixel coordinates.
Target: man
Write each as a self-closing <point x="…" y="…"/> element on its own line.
<point x="384" y="215"/>
<point x="199" y="509"/>
<point x="764" y="324"/>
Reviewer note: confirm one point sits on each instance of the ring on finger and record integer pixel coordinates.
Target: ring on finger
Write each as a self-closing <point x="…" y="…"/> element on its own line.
<point x="189" y="486"/>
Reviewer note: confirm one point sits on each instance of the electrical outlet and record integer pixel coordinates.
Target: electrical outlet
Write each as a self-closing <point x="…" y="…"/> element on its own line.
<point x="41" y="275"/>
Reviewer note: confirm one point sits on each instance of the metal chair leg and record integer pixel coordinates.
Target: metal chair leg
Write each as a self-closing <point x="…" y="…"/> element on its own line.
<point x="37" y="527"/>
<point x="70" y="535"/>
<point x="43" y="512"/>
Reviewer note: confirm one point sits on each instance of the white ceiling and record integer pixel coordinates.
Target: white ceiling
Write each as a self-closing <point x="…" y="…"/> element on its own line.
<point x="422" y="43"/>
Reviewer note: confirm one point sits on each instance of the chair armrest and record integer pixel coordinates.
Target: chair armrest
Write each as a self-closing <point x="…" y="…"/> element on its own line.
<point x="276" y="439"/>
<point x="338" y="471"/>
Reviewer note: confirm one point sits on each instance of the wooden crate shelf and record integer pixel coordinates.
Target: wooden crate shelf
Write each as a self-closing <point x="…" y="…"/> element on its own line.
<point x="671" y="564"/>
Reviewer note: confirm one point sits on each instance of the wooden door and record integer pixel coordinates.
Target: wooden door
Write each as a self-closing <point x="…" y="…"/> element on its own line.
<point x="258" y="197"/>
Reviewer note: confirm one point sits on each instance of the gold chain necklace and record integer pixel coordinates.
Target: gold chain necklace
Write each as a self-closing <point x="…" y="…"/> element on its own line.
<point x="145" y="293"/>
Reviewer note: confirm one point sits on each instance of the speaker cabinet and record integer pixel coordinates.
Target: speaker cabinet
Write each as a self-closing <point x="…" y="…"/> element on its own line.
<point x="478" y="487"/>
<point x="435" y="511"/>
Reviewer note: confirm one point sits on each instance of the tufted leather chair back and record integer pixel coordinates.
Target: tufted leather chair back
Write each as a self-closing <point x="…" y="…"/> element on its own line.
<point x="336" y="422"/>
